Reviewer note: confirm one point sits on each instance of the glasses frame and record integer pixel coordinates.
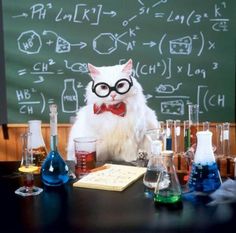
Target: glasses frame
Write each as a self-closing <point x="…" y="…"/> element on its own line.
<point x="114" y="88"/>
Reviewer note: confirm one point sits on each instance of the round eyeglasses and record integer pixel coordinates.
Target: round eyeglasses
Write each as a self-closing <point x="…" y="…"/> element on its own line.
<point x="102" y="89"/>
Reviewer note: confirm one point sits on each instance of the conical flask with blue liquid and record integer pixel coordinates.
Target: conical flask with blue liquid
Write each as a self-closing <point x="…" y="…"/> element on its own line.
<point x="54" y="171"/>
<point x="205" y="176"/>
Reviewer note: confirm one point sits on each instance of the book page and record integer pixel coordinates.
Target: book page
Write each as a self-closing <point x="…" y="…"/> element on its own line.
<point x="114" y="177"/>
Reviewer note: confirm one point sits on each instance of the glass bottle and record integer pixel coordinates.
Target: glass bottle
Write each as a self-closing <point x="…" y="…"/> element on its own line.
<point x="205" y="176"/>
<point x="69" y="97"/>
<point x="54" y="170"/>
<point x="37" y="143"/>
<point x="154" y="167"/>
<point x="168" y="191"/>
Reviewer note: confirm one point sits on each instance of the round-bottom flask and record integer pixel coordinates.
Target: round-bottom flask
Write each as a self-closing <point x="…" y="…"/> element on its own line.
<point x="54" y="170"/>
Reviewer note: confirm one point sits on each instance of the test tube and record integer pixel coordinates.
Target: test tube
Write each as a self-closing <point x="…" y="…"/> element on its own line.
<point x="169" y="125"/>
<point x="186" y="135"/>
<point x="193" y="114"/>
<point x="177" y="131"/>
<point x="219" y="138"/>
<point x="226" y="150"/>
<point x="177" y="152"/>
<point x="226" y="139"/>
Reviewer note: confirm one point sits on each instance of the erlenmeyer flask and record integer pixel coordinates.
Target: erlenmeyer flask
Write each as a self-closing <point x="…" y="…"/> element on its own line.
<point x="205" y="176"/>
<point x="168" y="190"/>
<point x="37" y="143"/>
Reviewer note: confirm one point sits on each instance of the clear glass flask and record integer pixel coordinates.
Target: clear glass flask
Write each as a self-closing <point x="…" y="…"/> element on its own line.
<point x="38" y="145"/>
<point x="54" y="170"/>
<point x="205" y="176"/>
<point x="168" y="191"/>
<point x="154" y="167"/>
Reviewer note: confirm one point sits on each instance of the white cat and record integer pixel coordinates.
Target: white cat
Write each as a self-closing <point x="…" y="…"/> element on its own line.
<point x="116" y="114"/>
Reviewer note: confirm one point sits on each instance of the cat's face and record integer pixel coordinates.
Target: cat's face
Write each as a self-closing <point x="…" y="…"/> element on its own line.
<point x="111" y="84"/>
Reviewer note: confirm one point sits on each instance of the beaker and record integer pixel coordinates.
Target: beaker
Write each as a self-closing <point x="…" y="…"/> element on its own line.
<point x="85" y="154"/>
<point x="205" y="176"/>
<point x="168" y="191"/>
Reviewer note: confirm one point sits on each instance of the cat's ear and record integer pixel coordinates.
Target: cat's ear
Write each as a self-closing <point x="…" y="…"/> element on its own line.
<point x="128" y="66"/>
<point x="93" y="71"/>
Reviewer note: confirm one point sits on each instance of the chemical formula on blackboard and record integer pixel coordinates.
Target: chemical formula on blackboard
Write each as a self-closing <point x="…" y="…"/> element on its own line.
<point x="182" y="52"/>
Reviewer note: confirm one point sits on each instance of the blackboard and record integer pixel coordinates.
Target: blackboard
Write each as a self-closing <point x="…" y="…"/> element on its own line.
<point x="183" y="52"/>
<point x="3" y="104"/>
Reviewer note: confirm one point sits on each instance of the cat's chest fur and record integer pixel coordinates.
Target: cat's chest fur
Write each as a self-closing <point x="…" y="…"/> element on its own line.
<point x="118" y="137"/>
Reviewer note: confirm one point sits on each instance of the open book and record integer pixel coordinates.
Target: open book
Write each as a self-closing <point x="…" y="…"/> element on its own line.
<point x="111" y="177"/>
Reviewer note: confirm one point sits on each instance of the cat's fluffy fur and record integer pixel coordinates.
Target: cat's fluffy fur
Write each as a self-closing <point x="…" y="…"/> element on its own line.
<point x="119" y="138"/>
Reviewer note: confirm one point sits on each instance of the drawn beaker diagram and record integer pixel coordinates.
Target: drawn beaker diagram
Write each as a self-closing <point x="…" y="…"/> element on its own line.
<point x="69" y="97"/>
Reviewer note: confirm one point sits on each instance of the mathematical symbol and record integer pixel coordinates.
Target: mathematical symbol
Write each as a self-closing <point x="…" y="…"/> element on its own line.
<point x="21" y="72"/>
<point x="159" y="15"/>
<point x="211" y="45"/>
<point x="179" y="69"/>
<point x="49" y="42"/>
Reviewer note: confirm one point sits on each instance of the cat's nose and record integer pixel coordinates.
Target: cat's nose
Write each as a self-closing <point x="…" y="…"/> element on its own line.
<point x="113" y="95"/>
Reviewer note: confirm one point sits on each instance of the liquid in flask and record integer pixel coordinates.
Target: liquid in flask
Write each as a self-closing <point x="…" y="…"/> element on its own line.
<point x="205" y="176"/>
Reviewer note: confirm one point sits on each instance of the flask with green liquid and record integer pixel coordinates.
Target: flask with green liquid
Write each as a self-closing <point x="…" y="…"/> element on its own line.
<point x="168" y="191"/>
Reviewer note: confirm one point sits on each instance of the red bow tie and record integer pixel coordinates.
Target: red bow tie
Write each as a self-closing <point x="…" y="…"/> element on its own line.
<point x="117" y="109"/>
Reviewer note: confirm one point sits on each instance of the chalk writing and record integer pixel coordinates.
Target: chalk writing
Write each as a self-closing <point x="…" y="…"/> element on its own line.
<point x="178" y="52"/>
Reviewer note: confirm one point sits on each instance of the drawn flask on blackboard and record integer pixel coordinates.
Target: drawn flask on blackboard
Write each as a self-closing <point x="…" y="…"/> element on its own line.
<point x="69" y="97"/>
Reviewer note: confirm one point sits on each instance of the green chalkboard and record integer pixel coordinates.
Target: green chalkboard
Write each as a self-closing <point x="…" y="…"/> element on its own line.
<point x="183" y="52"/>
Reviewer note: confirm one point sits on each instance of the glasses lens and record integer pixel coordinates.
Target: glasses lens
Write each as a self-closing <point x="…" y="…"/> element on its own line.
<point x="123" y="86"/>
<point x="102" y="89"/>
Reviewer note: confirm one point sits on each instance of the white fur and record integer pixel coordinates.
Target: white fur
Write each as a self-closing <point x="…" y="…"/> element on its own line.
<point x="119" y="138"/>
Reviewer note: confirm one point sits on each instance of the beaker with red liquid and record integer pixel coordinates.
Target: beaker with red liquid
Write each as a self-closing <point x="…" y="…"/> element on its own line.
<point x="85" y="154"/>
